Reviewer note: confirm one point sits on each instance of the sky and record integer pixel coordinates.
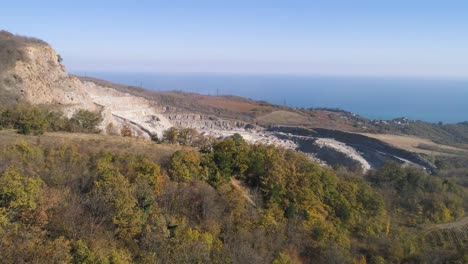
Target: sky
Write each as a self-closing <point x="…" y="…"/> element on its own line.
<point x="362" y="38"/>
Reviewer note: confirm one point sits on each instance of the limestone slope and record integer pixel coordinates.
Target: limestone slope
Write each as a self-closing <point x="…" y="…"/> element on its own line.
<point x="31" y="70"/>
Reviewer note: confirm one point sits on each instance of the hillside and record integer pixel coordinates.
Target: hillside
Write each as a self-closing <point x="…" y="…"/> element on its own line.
<point x="93" y="143"/>
<point x="32" y="72"/>
<point x="96" y="172"/>
<point x="412" y="136"/>
<point x="86" y="198"/>
<point x="238" y="108"/>
<point x="452" y="134"/>
<point x="266" y="114"/>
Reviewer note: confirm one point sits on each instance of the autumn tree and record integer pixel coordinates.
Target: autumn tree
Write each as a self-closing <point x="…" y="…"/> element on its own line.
<point x="188" y="136"/>
<point x="185" y="166"/>
<point x="114" y="199"/>
<point x="171" y="135"/>
<point x="85" y="121"/>
<point x="19" y="194"/>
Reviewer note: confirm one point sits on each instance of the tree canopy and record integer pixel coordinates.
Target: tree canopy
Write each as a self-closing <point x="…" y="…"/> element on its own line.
<point x="233" y="203"/>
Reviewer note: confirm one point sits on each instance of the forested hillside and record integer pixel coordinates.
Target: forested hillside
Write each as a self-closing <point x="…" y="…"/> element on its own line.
<point x="71" y="198"/>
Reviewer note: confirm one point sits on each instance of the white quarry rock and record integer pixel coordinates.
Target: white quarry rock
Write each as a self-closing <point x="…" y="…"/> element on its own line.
<point x="347" y="150"/>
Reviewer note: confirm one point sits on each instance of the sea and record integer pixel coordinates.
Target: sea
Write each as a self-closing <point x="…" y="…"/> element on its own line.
<point x="430" y="100"/>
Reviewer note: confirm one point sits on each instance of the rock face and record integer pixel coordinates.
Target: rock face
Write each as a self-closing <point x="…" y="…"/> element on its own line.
<point x="145" y="117"/>
<point x="30" y="69"/>
<point x="35" y="74"/>
<point x="203" y="122"/>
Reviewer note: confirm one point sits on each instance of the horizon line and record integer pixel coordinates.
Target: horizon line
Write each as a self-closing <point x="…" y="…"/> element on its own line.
<point x="82" y="72"/>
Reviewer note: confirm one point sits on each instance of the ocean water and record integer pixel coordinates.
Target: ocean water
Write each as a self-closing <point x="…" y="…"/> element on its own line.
<point x="376" y="98"/>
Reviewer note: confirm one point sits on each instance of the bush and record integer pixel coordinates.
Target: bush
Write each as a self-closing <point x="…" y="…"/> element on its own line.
<point x="171" y="135"/>
<point x="187" y="137"/>
<point x="126" y="131"/>
<point x="85" y="121"/>
<point x="28" y="119"/>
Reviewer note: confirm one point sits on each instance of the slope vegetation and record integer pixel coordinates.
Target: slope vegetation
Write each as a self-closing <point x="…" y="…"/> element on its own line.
<point x="74" y="198"/>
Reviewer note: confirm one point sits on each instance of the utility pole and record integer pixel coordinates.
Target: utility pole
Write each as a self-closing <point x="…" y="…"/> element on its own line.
<point x="217" y="91"/>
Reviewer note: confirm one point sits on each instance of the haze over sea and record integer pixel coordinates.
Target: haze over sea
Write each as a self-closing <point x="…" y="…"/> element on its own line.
<point x="430" y="100"/>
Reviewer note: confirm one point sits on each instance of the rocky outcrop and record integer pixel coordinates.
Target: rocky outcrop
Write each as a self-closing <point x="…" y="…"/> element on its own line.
<point x="145" y="117"/>
<point x="203" y="122"/>
<point x="38" y="76"/>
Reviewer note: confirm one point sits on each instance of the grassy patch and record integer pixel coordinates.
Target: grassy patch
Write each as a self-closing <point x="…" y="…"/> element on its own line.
<point x="418" y="145"/>
<point x="92" y="143"/>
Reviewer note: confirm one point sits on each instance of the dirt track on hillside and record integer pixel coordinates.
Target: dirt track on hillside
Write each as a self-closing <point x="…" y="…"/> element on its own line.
<point x="460" y="224"/>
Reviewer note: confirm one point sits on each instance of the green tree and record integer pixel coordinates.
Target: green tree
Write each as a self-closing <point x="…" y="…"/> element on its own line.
<point x="31" y="120"/>
<point x="85" y="121"/>
<point x="188" y="136"/>
<point x="19" y="194"/>
<point x="231" y="156"/>
<point x="115" y="199"/>
<point x="185" y="166"/>
<point x="147" y="181"/>
<point x="81" y="254"/>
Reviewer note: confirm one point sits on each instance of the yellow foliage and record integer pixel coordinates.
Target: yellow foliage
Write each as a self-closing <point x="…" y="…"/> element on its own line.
<point x="273" y="217"/>
<point x="387" y="227"/>
<point x="3" y="219"/>
<point x="18" y="192"/>
<point x="120" y="256"/>
<point x="360" y="260"/>
<point x="284" y="258"/>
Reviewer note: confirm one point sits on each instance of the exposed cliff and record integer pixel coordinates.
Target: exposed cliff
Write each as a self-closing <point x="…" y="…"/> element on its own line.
<point x="31" y="70"/>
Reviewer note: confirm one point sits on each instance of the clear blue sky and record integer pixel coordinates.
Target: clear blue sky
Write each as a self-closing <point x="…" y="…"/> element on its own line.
<point x="389" y="38"/>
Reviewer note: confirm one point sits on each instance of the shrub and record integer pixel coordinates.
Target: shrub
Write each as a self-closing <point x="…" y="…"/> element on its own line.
<point x="171" y="135"/>
<point x="126" y="131"/>
<point x="29" y="119"/>
<point x="188" y="136"/>
<point x="85" y="121"/>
